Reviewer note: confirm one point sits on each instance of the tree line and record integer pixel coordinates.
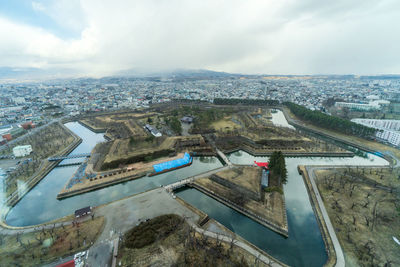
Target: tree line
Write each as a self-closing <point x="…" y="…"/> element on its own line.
<point x="331" y="122"/>
<point x="250" y="102"/>
<point x="277" y="167"/>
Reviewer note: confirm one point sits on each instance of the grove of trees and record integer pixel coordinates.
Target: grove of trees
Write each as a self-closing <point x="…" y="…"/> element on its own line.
<point x="330" y="122"/>
<point x="250" y="102"/>
<point x="277" y="167"/>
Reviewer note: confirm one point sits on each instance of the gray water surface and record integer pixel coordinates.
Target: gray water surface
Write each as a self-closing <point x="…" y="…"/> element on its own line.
<point x="305" y="246"/>
<point x="40" y="204"/>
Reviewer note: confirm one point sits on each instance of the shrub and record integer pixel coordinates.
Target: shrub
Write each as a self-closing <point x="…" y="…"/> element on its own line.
<point x="273" y="189"/>
<point x="148" y="232"/>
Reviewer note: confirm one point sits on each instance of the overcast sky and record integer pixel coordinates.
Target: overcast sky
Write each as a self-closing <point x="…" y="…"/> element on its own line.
<point x="101" y="37"/>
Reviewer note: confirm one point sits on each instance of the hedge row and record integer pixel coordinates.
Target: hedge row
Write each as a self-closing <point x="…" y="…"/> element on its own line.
<point x="137" y="158"/>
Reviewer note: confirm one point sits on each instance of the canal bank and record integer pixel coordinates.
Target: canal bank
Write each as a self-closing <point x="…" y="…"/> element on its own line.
<point x="391" y="159"/>
<point x="66" y="194"/>
<point x="280" y="230"/>
<point x="41" y="205"/>
<point x="305" y="243"/>
<point x="43" y="171"/>
<point x="334" y="251"/>
<point x="290" y="154"/>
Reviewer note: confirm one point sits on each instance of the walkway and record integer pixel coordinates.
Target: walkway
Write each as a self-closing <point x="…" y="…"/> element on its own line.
<point x="340" y="262"/>
<point x="240" y="244"/>
<point x="73" y="156"/>
<point x="191" y="179"/>
<point x="224" y="157"/>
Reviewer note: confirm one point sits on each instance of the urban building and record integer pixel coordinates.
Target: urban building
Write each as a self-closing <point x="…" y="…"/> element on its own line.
<point x="22" y="151"/>
<point x="153" y="130"/>
<point x="388" y="129"/>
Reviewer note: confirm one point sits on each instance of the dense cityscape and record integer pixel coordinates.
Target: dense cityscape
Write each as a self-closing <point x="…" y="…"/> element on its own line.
<point x="39" y="101"/>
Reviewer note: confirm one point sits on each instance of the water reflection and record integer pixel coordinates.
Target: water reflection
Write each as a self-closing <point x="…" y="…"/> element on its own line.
<point x="305" y="246"/>
<point x="40" y="204"/>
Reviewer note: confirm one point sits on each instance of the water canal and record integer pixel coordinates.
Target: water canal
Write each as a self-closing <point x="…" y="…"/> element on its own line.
<point x="40" y="204"/>
<point x="304" y="247"/>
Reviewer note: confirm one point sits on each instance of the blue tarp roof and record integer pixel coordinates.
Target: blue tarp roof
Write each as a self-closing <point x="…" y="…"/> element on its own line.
<point x="173" y="163"/>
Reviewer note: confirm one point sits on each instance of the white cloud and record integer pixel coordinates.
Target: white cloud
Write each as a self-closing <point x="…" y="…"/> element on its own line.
<point x="292" y="36"/>
<point x="38" y="6"/>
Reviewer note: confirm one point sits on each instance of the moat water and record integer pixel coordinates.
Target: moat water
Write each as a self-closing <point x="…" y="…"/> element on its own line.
<point x="304" y="247"/>
<point x="40" y="204"/>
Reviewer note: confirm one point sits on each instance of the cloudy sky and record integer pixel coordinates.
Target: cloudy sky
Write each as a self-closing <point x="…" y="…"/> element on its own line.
<point x="101" y="37"/>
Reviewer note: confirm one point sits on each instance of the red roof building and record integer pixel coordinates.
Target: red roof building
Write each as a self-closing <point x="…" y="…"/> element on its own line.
<point x="262" y="164"/>
<point x="28" y="125"/>
<point x="8" y="137"/>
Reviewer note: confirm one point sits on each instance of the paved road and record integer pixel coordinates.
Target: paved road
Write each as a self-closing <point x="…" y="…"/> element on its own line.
<point x="389" y="153"/>
<point x="336" y="245"/>
<point x="100" y="254"/>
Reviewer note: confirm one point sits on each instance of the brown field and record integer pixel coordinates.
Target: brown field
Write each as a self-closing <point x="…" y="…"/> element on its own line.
<point x="365" y="215"/>
<point x="122" y="148"/>
<point x="49" y="141"/>
<point x="130" y="124"/>
<point x="225" y="125"/>
<point x="185" y="247"/>
<point x="270" y="206"/>
<point x="247" y="177"/>
<point x="44" y="246"/>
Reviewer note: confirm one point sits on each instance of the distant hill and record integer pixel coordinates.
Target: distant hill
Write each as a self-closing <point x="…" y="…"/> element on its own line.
<point x="173" y="75"/>
<point x="33" y="73"/>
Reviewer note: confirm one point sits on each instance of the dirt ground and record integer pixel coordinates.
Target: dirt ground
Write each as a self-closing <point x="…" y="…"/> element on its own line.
<point x="247" y="177"/>
<point x="225" y="124"/>
<point x="270" y="207"/>
<point x="44" y="246"/>
<point x="365" y="215"/>
<point x="184" y="247"/>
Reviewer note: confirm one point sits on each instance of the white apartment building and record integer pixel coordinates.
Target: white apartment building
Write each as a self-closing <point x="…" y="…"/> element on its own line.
<point x="389" y="129"/>
<point x="373" y="105"/>
<point x="380" y="124"/>
<point x="22" y="151"/>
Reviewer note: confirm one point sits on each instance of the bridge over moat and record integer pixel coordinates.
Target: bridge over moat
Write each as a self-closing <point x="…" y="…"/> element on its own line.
<point x="73" y="156"/>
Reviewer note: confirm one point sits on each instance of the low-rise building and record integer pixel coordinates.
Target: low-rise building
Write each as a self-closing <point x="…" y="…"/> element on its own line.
<point x="153" y="130"/>
<point x="388" y="129"/>
<point x="22" y="151"/>
<point x="359" y="106"/>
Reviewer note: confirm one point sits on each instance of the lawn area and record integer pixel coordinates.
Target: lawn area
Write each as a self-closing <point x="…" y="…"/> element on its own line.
<point x="365" y="217"/>
<point x="225" y="125"/>
<point x="247" y="177"/>
<point x="44" y="246"/>
<point x="129" y="151"/>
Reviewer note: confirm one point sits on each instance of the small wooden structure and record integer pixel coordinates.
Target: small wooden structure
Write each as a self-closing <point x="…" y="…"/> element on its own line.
<point x="83" y="212"/>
